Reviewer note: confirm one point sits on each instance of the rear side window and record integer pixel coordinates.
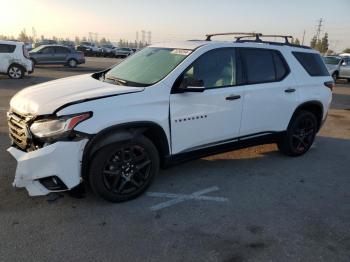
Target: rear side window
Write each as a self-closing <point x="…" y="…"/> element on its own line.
<point x="263" y="65"/>
<point x="61" y="50"/>
<point x="312" y="63"/>
<point x="4" y="48"/>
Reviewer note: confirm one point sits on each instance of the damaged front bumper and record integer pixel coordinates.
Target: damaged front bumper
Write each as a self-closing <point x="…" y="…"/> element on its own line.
<point x="60" y="161"/>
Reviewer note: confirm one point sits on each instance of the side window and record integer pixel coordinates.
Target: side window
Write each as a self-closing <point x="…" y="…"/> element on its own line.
<point x="4" y="48"/>
<point x="259" y="64"/>
<point x="61" y="50"/>
<point x="312" y="63"/>
<point x="48" y="50"/>
<point x="216" y="68"/>
<point x="280" y="66"/>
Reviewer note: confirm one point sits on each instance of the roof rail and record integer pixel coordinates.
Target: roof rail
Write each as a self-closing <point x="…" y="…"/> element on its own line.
<point x="256" y="35"/>
<point x="259" y="40"/>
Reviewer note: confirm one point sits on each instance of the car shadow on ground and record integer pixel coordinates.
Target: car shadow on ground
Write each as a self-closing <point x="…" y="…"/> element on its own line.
<point x="223" y="170"/>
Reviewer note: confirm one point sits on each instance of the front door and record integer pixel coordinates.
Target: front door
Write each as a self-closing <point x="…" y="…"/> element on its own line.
<point x="201" y="119"/>
<point x="46" y="55"/>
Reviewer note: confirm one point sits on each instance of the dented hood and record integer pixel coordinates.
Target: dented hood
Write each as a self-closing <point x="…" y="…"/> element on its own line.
<point x="45" y="98"/>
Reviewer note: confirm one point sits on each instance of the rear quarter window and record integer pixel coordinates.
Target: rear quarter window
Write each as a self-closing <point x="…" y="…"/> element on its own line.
<point x="312" y="63"/>
<point x="5" y="48"/>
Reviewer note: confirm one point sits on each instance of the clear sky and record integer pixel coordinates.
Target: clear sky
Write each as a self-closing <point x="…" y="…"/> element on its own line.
<point x="176" y="19"/>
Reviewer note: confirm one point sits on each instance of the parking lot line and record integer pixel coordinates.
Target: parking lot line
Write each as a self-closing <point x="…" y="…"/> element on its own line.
<point x="178" y="198"/>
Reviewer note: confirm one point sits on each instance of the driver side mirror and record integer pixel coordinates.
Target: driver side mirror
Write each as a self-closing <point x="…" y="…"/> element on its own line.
<point x="344" y="63"/>
<point x="191" y="85"/>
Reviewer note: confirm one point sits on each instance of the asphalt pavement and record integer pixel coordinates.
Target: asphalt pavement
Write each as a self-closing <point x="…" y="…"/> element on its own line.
<point x="248" y="205"/>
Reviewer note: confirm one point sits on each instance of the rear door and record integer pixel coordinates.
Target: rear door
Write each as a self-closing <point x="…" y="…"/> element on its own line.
<point x="61" y="54"/>
<point x="271" y="95"/>
<point x="201" y="119"/>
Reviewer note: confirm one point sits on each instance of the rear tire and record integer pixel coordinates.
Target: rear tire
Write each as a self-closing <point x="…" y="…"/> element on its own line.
<point x="123" y="170"/>
<point x="300" y="134"/>
<point x="16" y="71"/>
<point x="72" y="63"/>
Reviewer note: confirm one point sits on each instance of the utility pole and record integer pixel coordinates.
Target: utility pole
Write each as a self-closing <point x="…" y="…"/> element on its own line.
<point x="34" y="34"/>
<point x="319" y="28"/>
<point x="302" y="42"/>
<point x="137" y="40"/>
<point x="143" y="36"/>
<point x="149" y="37"/>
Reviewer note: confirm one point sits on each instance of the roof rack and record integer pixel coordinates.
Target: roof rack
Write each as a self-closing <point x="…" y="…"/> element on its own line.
<point x="257" y="38"/>
<point x="256" y="35"/>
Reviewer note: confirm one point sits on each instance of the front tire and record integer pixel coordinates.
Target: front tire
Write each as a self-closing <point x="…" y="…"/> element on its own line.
<point x="16" y="72"/>
<point x="300" y="134"/>
<point x="122" y="171"/>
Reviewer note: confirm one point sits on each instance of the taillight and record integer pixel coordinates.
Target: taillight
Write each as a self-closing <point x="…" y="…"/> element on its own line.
<point x="25" y="52"/>
<point x="330" y="85"/>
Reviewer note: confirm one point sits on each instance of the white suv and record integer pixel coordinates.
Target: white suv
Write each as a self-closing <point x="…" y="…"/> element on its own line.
<point x="165" y="104"/>
<point x="14" y="59"/>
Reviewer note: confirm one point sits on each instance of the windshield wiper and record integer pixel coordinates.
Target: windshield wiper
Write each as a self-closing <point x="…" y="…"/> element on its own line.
<point x="123" y="82"/>
<point x="117" y="80"/>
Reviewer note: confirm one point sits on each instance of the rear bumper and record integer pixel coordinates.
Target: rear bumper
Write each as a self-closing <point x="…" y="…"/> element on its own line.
<point x="61" y="159"/>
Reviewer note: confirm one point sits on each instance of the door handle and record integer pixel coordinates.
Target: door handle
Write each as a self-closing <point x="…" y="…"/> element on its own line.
<point x="289" y="90"/>
<point x="233" y="97"/>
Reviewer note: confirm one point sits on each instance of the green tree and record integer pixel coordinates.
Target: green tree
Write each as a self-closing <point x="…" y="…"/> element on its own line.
<point x="296" y="41"/>
<point x="313" y="42"/>
<point x="23" y="37"/>
<point x="324" y="44"/>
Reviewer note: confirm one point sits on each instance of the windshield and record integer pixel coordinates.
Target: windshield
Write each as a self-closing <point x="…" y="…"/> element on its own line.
<point x="37" y="49"/>
<point x="331" y="60"/>
<point x="147" y="66"/>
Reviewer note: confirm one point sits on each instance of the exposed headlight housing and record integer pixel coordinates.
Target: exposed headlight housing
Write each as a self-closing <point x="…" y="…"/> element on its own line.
<point x="53" y="128"/>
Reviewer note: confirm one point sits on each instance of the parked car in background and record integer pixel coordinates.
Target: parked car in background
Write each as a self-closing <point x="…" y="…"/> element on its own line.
<point x="56" y="54"/>
<point x="68" y="43"/>
<point x="28" y="46"/>
<point x="14" y="59"/>
<point x="123" y="52"/>
<point x="107" y="50"/>
<point x="338" y="66"/>
<point x="333" y="65"/>
<point x="45" y="42"/>
<point x="89" y="48"/>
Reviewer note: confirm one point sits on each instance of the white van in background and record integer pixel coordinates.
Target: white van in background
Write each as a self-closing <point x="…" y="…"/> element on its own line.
<point x="14" y="59"/>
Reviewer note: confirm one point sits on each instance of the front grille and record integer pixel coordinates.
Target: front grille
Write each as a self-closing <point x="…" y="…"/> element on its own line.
<point x="18" y="129"/>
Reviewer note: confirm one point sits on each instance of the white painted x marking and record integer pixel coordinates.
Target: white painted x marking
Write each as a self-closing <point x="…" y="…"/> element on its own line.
<point x="178" y="198"/>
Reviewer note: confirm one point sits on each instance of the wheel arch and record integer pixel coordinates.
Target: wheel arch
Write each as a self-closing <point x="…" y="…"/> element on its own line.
<point x="123" y="132"/>
<point x="16" y="64"/>
<point x="314" y="107"/>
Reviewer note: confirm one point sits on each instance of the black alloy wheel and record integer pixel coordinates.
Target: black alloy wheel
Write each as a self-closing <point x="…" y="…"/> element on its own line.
<point x="122" y="171"/>
<point x="300" y="134"/>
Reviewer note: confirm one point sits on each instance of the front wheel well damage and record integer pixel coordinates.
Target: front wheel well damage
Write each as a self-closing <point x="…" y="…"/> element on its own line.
<point x="123" y="132"/>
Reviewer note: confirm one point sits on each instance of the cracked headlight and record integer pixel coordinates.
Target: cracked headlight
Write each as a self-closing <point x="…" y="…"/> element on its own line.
<point x="49" y="128"/>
